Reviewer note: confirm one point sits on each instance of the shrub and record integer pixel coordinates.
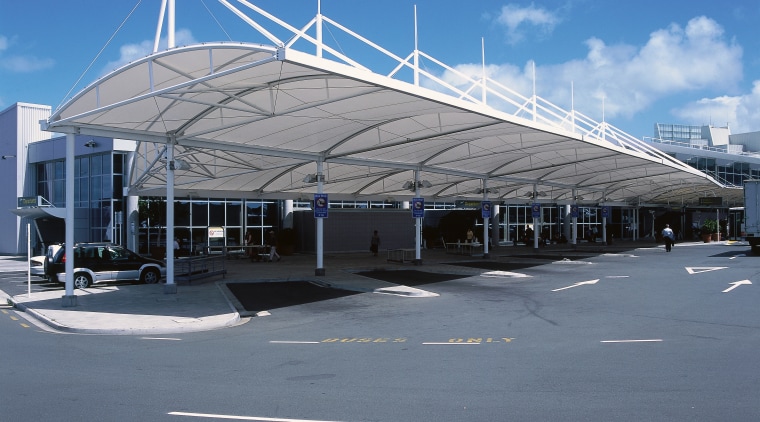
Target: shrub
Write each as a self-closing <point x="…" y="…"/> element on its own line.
<point x="710" y="227"/>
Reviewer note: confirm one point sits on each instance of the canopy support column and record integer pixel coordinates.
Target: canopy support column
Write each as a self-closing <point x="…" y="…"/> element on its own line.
<point x="69" y="298"/>
<point x="486" y="255"/>
<point x="417" y="223"/>
<point x="170" y="287"/>
<point x="535" y="220"/>
<point x="574" y="234"/>
<point x="320" y="270"/>
<point x="496" y="225"/>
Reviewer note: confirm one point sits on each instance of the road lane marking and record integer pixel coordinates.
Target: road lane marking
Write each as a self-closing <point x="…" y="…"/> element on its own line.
<point x="653" y="340"/>
<point x="471" y="340"/>
<point x="582" y="283"/>
<point x="504" y="274"/>
<point x="161" y="338"/>
<point x="293" y="342"/>
<point x="697" y="270"/>
<point x="242" y="418"/>
<point x="736" y="284"/>
<point x="448" y="344"/>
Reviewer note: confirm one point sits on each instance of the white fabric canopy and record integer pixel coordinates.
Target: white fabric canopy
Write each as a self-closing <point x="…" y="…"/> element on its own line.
<point x="251" y="121"/>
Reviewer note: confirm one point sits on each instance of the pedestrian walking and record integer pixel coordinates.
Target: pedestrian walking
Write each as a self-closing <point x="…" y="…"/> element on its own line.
<point x="669" y="237"/>
<point x="273" y="247"/>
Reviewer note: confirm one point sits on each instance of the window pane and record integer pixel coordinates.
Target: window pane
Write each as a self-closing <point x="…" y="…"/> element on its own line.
<point x="233" y="213"/>
<point x="95" y="168"/>
<point x="182" y="213"/>
<point x="118" y="164"/>
<point x="200" y="214"/>
<point x="216" y="214"/>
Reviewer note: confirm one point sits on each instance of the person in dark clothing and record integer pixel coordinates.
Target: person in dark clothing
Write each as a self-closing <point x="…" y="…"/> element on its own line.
<point x="273" y="247"/>
<point x="374" y="243"/>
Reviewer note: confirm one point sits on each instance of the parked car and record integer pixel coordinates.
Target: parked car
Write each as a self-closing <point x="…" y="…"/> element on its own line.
<point x="37" y="266"/>
<point x="103" y="262"/>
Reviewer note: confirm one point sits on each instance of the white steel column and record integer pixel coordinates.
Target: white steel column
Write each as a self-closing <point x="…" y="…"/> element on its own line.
<point x="320" y="226"/>
<point x="69" y="299"/>
<point x="417" y="223"/>
<point x="574" y="237"/>
<point x="170" y="287"/>
<point x="319" y="28"/>
<point x="416" y="51"/>
<point x="159" y="26"/>
<point x="496" y="222"/>
<point x="287" y="221"/>
<point x="535" y="219"/>
<point x="485" y="221"/>
<point x="170" y="26"/>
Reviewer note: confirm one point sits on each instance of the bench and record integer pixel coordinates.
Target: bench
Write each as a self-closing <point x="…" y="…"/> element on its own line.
<point x="464" y="248"/>
<point x="401" y="255"/>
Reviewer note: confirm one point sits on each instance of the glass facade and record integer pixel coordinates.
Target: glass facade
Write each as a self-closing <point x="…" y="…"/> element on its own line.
<point x="98" y="193"/>
<point x="678" y="133"/>
<point x="193" y="217"/>
<point x="515" y="219"/>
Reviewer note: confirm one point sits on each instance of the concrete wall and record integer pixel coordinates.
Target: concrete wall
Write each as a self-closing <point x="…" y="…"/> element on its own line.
<point x="351" y="230"/>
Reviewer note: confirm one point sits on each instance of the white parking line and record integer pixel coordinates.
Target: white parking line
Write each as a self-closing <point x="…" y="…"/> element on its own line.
<point x="633" y="341"/>
<point x="293" y="342"/>
<point x="240" y="418"/>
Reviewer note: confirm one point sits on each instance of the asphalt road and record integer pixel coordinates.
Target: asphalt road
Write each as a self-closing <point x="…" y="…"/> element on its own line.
<point x="645" y="335"/>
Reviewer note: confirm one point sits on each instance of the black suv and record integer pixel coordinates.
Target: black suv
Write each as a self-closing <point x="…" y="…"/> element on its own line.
<point x="100" y="263"/>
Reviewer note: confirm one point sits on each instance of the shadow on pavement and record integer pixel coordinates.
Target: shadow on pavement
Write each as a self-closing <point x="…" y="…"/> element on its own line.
<point x="257" y="297"/>
<point x="555" y="257"/>
<point x="496" y="266"/>
<point x="410" y="278"/>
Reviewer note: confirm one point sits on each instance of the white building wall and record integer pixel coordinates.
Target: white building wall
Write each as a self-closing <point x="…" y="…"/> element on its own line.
<point x="750" y="141"/>
<point x="718" y="136"/>
<point x="19" y="126"/>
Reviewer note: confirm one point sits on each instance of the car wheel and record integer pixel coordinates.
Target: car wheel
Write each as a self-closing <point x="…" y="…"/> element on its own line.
<point x="82" y="280"/>
<point x="150" y="276"/>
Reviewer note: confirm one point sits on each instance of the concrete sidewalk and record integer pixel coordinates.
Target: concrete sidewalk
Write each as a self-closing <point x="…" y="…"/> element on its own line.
<point x="207" y="304"/>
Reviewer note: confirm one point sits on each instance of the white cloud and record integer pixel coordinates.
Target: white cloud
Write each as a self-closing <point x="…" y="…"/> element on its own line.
<point x="516" y="19"/>
<point x="131" y="52"/>
<point x="741" y="113"/>
<point x="630" y="78"/>
<point x="20" y="63"/>
<point x="25" y="64"/>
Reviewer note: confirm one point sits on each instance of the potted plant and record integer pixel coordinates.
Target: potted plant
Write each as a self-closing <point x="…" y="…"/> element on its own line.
<point x="709" y="230"/>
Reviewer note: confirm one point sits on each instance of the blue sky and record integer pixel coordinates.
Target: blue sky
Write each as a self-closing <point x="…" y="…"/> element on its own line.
<point x="672" y="61"/>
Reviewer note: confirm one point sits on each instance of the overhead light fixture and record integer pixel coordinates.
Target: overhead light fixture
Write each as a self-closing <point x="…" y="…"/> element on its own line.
<point x="91" y="143"/>
<point x="578" y="198"/>
<point x="540" y="194"/>
<point x="412" y="186"/>
<point x="313" y="178"/>
<point x="179" y="165"/>
<point x="5" y="157"/>
<point x="487" y="190"/>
